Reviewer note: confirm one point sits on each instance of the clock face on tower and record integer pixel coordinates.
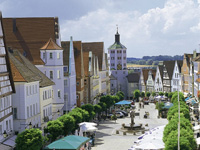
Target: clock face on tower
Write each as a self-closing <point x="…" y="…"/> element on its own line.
<point x="119" y="67"/>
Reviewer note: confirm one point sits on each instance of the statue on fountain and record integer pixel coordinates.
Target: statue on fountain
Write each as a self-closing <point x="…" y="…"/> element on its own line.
<point x="132" y="115"/>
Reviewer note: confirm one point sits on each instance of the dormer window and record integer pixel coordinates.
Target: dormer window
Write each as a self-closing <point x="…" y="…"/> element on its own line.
<point x="51" y="55"/>
<point x="43" y="56"/>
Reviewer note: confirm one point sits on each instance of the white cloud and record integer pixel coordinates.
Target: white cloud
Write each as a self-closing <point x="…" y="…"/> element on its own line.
<point x="171" y="29"/>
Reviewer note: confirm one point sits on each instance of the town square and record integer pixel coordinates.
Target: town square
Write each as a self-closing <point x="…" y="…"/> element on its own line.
<point x="99" y="75"/>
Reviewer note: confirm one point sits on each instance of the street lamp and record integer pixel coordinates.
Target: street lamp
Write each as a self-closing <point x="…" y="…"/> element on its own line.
<point x="5" y="134"/>
<point x="178" y="118"/>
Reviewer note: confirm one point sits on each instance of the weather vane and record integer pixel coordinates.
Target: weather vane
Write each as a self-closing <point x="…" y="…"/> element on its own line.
<point x="117" y="27"/>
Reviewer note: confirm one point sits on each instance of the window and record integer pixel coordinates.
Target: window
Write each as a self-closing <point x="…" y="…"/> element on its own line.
<point x="33" y="109"/>
<point x="65" y="82"/>
<point x="58" y="74"/>
<point x="31" y="112"/>
<point x="124" y="51"/>
<point x="65" y="69"/>
<point x="58" y="55"/>
<point x="14" y="113"/>
<point x="43" y="56"/>
<point x="36" y="108"/>
<point x="77" y="83"/>
<point x="124" y="58"/>
<point x="77" y="97"/>
<point x="51" y="74"/>
<point x="59" y="94"/>
<point x="27" y="112"/>
<point x="0" y="129"/>
<point x="51" y="55"/>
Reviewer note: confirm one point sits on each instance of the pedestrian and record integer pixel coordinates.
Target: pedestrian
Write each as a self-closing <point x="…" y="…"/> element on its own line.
<point x="140" y="104"/>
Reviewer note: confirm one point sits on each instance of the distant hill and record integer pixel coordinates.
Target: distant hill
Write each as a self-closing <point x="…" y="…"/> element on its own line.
<point x="152" y="60"/>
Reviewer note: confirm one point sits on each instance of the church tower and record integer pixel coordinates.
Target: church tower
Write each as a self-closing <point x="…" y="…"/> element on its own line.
<point x="118" y="66"/>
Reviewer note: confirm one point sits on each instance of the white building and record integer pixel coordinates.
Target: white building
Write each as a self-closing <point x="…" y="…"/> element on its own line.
<point x="52" y="56"/>
<point x="176" y="76"/>
<point x="118" y="65"/>
<point x="26" y="104"/>
<point x="159" y="79"/>
<point x="7" y="88"/>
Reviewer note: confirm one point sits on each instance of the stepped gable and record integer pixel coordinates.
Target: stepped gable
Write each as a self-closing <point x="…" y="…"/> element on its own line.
<point x="24" y="71"/>
<point x="28" y="35"/>
<point x="97" y="49"/>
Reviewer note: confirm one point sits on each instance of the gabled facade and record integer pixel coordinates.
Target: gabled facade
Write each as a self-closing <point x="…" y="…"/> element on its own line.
<point x="185" y="70"/>
<point x="107" y="75"/>
<point x="143" y="80"/>
<point x="176" y="77"/>
<point x="79" y="66"/>
<point x="159" y="79"/>
<point x="168" y="67"/>
<point x="52" y="55"/>
<point x="7" y="87"/>
<point x="150" y="81"/>
<point x="196" y="62"/>
<point x="132" y="83"/>
<point x="69" y="75"/>
<point x="118" y="65"/>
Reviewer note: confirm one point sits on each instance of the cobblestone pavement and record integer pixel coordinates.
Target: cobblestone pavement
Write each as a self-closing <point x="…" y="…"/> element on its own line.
<point x="107" y="139"/>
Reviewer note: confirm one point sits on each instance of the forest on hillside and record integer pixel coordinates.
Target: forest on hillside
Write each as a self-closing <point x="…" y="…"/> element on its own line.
<point x="153" y="60"/>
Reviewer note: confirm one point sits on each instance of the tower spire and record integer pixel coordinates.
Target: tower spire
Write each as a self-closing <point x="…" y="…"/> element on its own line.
<point x="117" y="36"/>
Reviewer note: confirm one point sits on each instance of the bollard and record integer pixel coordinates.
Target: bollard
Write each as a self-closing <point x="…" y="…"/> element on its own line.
<point x="117" y="132"/>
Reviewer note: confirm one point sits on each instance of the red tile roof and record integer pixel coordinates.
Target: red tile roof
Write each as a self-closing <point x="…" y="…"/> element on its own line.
<point x="51" y="45"/>
<point x="29" y="35"/>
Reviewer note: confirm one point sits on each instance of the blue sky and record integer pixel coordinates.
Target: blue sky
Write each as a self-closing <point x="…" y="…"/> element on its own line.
<point x="147" y="27"/>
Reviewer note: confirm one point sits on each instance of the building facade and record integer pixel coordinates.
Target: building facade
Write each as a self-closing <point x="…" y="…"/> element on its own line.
<point x="118" y="66"/>
<point x="7" y="87"/>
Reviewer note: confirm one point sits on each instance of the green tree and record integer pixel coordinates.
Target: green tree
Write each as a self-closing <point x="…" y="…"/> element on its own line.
<point x="166" y="94"/>
<point x="68" y="122"/>
<point x="77" y="116"/>
<point x="108" y="100"/>
<point x="90" y="109"/>
<point x="148" y="94"/>
<point x="175" y="97"/>
<point x="121" y="95"/>
<point x="142" y="94"/>
<point x="116" y="98"/>
<point x="187" y="141"/>
<point x="174" y="109"/>
<point x="172" y="125"/>
<point x="149" y="62"/>
<point x="29" y="139"/>
<point x="136" y="94"/>
<point x="55" y="128"/>
<point x="161" y="93"/>
<point x="153" y="94"/>
<point x="103" y="106"/>
<point x="170" y="95"/>
<point x="97" y="110"/>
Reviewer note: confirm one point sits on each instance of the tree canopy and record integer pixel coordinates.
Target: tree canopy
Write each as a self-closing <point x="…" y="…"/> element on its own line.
<point x="136" y="94"/>
<point x="55" y="128"/>
<point x="29" y="139"/>
<point x="68" y="123"/>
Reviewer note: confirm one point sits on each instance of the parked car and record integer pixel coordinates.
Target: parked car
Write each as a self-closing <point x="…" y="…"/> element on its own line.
<point x="124" y="112"/>
<point x="119" y="114"/>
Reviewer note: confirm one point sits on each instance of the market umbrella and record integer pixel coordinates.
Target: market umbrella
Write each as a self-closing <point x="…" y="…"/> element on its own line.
<point x="88" y="128"/>
<point x="87" y="123"/>
<point x="168" y="105"/>
<point x="124" y="102"/>
<point x="196" y="127"/>
<point x="71" y="142"/>
<point x="151" y="145"/>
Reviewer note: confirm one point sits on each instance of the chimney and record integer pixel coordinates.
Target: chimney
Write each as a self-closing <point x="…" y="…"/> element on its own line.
<point x="14" y="25"/>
